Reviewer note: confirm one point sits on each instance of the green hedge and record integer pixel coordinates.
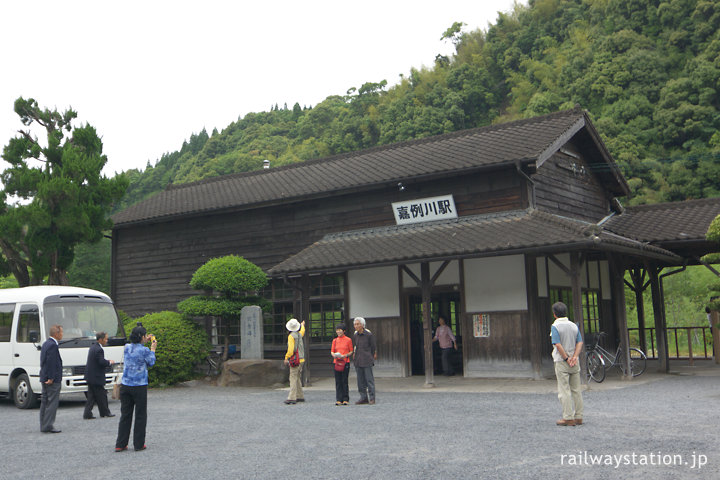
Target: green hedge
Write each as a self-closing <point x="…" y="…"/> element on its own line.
<point x="181" y="345"/>
<point x="200" y="306"/>
<point x="229" y="275"/>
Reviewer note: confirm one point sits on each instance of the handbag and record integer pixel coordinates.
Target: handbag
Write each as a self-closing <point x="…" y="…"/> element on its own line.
<point x="116" y="385"/>
<point x="294" y="359"/>
<point x="340" y="364"/>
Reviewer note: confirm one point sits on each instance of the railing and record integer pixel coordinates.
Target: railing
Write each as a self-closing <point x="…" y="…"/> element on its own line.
<point x="688" y="342"/>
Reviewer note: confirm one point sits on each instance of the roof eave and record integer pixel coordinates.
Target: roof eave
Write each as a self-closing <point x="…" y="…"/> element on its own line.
<point x="545" y="249"/>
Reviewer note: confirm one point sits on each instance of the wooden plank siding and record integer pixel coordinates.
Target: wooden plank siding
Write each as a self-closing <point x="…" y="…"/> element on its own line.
<point x="566" y="185"/>
<point x="389" y="334"/>
<point x="505" y="353"/>
<point x="153" y="263"/>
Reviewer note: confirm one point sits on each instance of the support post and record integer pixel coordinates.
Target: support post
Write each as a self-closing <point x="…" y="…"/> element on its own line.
<point x="715" y="320"/>
<point x="426" y="287"/>
<point x="531" y="284"/>
<point x="658" y="312"/>
<point x="618" y="287"/>
<point x="575" y="270"/>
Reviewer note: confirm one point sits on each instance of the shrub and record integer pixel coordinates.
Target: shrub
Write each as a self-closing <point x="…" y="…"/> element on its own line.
<point x="200" y="306"/>
<point x="181" y="344"/>
<point x="229" y="275"/>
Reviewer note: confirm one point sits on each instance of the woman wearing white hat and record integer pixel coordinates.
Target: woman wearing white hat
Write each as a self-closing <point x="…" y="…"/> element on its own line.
<point x="295" y="343"/>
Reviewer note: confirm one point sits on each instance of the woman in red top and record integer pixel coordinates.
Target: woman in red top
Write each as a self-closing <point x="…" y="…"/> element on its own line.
<point x="341" y="350"/>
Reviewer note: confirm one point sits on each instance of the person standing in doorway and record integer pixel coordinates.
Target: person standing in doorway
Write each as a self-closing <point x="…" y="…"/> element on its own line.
<point x="567" y="344"/>
<point x="446" y="340"/>
<point x="295" y="342"/>
<point x="51" y="379"/>
<point x="365" y="354"/>
<point x="95" y="378"/>
<point x="340" y="350"/>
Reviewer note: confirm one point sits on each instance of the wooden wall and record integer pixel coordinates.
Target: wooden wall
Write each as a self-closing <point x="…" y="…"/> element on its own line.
<point x="153" y="263"/>
<point x="505" y="353"/>
<point x="391" y="351"/>
<point x="565" y="184"/>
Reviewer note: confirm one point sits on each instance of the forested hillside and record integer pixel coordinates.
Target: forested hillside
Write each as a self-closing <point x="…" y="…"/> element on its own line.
<point x="648" y="72"/>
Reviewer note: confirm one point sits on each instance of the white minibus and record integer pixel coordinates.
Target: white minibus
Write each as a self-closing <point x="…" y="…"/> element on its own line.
<point x="26" y="315"/>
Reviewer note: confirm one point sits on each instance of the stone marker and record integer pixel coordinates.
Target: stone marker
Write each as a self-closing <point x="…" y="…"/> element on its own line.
<point x="251" y="333"/>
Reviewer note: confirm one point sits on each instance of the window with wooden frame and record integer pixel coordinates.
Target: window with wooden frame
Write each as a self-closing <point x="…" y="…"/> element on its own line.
<point x="590" y="309"/>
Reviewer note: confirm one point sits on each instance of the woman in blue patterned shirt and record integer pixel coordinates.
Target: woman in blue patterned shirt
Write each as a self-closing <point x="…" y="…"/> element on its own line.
<point x="133" y="391"/>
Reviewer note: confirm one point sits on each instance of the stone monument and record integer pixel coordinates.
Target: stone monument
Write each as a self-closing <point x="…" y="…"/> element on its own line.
<point x="251" y="333"/>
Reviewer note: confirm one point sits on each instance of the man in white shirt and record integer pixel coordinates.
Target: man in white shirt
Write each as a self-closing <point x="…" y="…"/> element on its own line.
<point x="567" y="344"/>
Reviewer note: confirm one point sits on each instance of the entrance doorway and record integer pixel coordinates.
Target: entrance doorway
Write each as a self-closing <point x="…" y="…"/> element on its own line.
<point x="446" y="305"/>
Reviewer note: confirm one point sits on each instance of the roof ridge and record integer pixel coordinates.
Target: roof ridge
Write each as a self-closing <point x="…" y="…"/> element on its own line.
<point x="381" y="148"/>
<point x="434" y="223"/>
<point x="659" y="206"/>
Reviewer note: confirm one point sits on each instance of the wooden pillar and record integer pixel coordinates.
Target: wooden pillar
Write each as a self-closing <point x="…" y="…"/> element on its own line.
<point x="301" y="310"/>
<point x="426" y="288"/>
<point x="535" y="335"/>
<point x="659" y="313"/>
<point x="307" y="339"/>
<point x="638" y="287"/>
<point x="715" y="320"/>
<point x="618" y="290"/>
<point x="575" y="271"/>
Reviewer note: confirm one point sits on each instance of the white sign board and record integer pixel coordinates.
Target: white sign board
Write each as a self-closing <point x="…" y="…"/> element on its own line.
<point x="424" y="210"/>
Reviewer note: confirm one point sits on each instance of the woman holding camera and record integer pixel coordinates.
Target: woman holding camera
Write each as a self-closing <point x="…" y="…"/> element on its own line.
<point x="133" y="390"/>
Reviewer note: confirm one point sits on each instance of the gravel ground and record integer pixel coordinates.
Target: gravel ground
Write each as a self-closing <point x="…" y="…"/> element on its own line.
<point x="204" y="432"/>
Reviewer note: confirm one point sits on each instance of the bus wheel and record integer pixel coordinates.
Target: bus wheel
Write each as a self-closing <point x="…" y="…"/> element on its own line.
<point x="22" y="393"/>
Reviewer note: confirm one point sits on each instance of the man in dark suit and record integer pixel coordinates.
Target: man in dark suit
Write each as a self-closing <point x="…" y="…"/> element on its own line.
<point x="51" y="379"/>
<point x="95" y="377"/>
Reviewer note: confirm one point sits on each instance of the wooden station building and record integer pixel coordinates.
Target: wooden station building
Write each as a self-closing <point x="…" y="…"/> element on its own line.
<point x="485" y="227"/>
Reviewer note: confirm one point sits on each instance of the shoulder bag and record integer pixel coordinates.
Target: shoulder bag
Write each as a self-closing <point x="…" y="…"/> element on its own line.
<point x="294" y="359"/>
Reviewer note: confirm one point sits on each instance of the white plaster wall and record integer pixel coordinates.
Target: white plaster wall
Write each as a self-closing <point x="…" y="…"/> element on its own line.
<point x="557" y="277"/>
<point x="449" y="276"/>
<point x="593" y="274"/>
<point x="374" y="292"/>
<point x="495" y="284"/>
<point x="605" y="280"/>
<point x="542" y="277"/>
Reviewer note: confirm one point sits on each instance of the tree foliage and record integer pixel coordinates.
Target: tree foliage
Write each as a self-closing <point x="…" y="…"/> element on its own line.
<point x="181" y="345"/>
<point x="229" y="275"/>
<point x="647" y="71"/>
<point x="54" y="195"/>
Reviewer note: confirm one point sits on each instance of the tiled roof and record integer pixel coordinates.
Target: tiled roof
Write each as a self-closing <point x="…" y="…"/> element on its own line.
<point x="481" y="235"/>
<point x="526" y="140"/>
<point x="666" y="222"/>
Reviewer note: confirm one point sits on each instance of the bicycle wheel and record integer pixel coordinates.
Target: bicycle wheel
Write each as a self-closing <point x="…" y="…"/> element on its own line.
<point x="595" y="366"/>
<point x="638" y="361"/>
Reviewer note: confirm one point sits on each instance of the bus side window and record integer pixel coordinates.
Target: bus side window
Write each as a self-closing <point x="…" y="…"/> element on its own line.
<point x="29" y="321"/>
<point x="6" y="317"/>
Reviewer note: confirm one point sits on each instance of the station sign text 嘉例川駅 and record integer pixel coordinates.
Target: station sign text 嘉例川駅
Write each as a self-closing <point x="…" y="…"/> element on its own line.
<point x="424" y="210"/>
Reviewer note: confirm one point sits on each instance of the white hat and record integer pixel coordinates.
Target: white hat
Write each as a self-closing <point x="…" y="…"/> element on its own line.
<point x="293" y="325"/>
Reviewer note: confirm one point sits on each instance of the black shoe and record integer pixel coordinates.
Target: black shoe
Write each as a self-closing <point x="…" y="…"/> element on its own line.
<point x="141" y="449"/>
<point x="90" y="418"/>
<point x="300" y="400"/>
<point x="290" y="402"/>
<point x="108" y="416"/>
<point x="52" y="431"/>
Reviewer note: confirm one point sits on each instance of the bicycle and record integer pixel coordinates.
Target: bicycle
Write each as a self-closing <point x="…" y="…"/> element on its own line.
<point x="213" y="362"/>
<point x="599" y="360"/>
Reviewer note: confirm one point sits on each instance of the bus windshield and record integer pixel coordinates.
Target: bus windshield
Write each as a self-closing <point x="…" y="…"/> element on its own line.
<point x="83" y="320"/>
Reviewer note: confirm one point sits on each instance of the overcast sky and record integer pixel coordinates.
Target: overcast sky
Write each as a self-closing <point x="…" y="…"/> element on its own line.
<point x="147" y="74"/>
